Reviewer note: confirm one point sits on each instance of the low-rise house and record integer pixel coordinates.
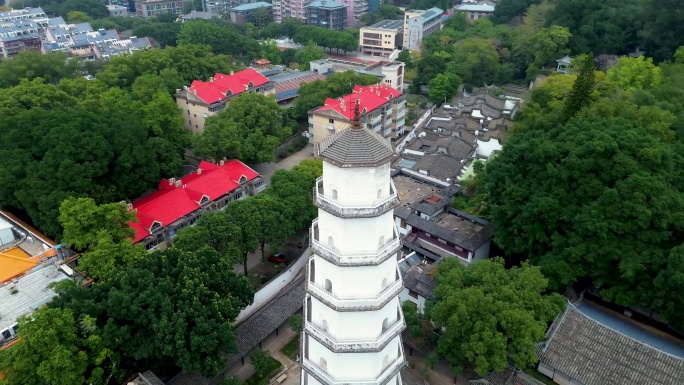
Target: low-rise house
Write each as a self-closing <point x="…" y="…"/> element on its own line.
<point x="383" y="111"/>
<point x="431" y="227"/>
<point x="591" y="345"/>
<point x="329" y="14"/>
<point x="199" y="15"/>
<point x="287" y="85"/>
<point x="19" y="35"/>
<point x="419" y="280"/>
<point x="117" y="10"/>
<point x="419" y="24"/>
<point x="475" y="10"/>
<point x="79" y="41"/>
<point x="29" y="263"/>
<point x="245" y="13"/>
<point x="204" y="99"/>
<point x="382" y="38"/>
<point x="180" y="202"/>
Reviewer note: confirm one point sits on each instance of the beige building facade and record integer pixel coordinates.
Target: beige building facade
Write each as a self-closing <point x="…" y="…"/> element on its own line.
<point x="204" y="99"/>
<point x="383" y="110"/>
<point x="381" y="39"/>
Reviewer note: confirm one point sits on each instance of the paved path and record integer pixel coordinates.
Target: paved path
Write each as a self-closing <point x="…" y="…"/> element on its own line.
<point x="266" y="170"/>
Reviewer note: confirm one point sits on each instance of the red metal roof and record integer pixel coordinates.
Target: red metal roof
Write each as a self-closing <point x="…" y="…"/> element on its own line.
<point x="369" y="97"/>
<point x="178" y="198"/>
<point x="218" y="88"/>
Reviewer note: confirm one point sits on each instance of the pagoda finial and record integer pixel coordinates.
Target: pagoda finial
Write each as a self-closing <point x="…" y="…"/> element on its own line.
<point x="356" y="122"/>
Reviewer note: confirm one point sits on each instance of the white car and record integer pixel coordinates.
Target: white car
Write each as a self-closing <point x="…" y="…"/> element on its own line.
<point x="449" y="107"/>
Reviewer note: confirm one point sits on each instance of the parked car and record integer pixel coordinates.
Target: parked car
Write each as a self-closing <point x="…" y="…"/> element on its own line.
<point x="277" y="258"/>
<point x="449" y="107"/>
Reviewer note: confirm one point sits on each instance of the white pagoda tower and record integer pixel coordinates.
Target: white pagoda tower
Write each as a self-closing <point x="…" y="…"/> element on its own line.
<point x="353" y="319"/>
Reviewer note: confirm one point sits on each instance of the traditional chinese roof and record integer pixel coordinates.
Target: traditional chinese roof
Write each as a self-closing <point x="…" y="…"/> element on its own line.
<point x="595" y="347"/>
<point x="177" y="198"/>
<point x="221" y="86"/>
<point x="355" y="146"/>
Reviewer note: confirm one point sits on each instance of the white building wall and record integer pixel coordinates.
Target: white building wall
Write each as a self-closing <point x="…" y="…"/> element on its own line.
<point x="366" y="324"/>
<point x="419" y="302"/>
<point x="367" y="233"/>
<point x="345" y="280"/>
<point x="357" y="186"/>
<point x="354" y="365"/>
<point x="482" y="252"/>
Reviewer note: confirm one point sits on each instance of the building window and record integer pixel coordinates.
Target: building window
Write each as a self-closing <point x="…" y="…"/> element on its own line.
<point x="324" y="364"/>
<point x="381" y="241"/>
<point x="325" y="326"/>
<point x="328" y="286"/>
<point x="331" y="121"/>
<point x="413" y="294"/>
<point x="194" y="115"/>
<point x="334" y="194"/>
<point x="188" y="112"/>
<point x="331" y="241"/>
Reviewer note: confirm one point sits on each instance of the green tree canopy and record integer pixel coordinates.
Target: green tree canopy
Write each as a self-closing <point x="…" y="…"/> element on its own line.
<point x="488" y="313"/>
<point x="476" y="61"/>
<point x="85" y="141"/>
<point x="48" y="351"/>
<point x="443" y="87"/>
<point x="597" y="198"/>
<point x="250" y="129"/>
<point x="177" y="306"/>
<point x="220" y="37"/>
<point x="82" y="220"/>
<point x="52" y="67"/>
<point x="634" y="73"/>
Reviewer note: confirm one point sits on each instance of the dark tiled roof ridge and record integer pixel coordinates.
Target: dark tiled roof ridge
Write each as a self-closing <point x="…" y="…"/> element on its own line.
<point x="355" y="147"/>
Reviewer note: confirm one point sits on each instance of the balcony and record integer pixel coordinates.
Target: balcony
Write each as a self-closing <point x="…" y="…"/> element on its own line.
<point x="370" y="258"/>
<point x="337" y="209"/>
<point x="388" y="373"/>
<point x="355" y="304"/>
<point x="376" y="119"/>
<point x="355" y="346"/>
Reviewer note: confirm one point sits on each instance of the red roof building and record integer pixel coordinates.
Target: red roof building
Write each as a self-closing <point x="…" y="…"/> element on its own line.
<point x="179" y="202"/>
<point x="204" y="99"/>
<point x="382" y="110"/>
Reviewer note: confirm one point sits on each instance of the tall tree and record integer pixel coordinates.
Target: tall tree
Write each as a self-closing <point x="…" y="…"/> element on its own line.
<point x="599" y="198"/>
<point x="241" y="215"/>
<point x="48" y="351"/>
<point x="177" y="306"/>
<point x="271" y="225"/>
<point x="476" y="61"/>
<point x="634" y="73"/>
<point x="580" y="95"/>
<point x="82" y="220"/>
<point x="250" y="129"/>
<point x="488" y="313"/>
<point x="662" y="31"/>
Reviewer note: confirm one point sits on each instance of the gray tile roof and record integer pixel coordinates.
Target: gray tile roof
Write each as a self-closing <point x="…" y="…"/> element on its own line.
<point x="471" y="243"/>
<point x="265" y="320"/>
<point x="594" y="354"/>
<point x="355" y="148"/>
<point x="417" y="279"/>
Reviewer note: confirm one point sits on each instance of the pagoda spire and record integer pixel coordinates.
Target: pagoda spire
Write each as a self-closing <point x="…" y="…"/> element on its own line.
<point x="356" y="122"/>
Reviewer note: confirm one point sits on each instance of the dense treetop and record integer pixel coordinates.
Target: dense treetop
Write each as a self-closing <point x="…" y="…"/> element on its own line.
<point x="589" y="185"/>
<point x="489" y="313"/>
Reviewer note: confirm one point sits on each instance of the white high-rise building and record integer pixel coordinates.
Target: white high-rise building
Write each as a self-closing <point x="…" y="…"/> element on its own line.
<point x="352" y="313"/>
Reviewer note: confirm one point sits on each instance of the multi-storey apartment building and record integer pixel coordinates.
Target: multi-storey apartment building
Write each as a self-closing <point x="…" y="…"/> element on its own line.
<point x="476" y="11"/>
<point x="20" y="30"/>
<point x="204" y="99"/>
<point x="297" y="9"/>
<point x="245" y="13"/>
<point x="382" y="107"/>
<point x="382" y="38"/>
<point x="149" y="8"/>
<point x="419" y="24"/>
<point x="328" y="14"/>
